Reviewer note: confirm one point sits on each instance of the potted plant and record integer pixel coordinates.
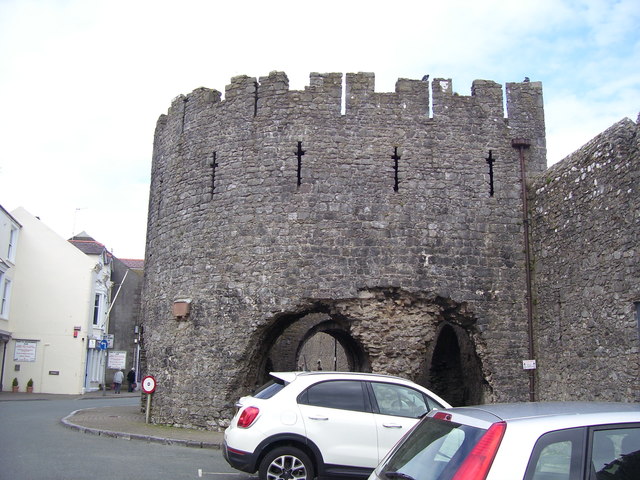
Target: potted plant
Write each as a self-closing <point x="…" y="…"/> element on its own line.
<point x="30" y="386"/>
<point x="14" y="385"/>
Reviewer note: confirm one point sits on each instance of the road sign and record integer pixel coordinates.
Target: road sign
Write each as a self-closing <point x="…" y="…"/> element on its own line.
<point x="148" y="384"/>
<point x="103" y="344"/>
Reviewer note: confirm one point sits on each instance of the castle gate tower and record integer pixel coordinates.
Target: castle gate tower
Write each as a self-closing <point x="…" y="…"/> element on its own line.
<point x="391" y="222"/>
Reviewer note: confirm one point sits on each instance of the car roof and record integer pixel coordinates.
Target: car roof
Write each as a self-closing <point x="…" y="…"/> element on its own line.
<point x="558" y="414"/>
<point x="291" y="376"/>
<point x="512" y="411"/>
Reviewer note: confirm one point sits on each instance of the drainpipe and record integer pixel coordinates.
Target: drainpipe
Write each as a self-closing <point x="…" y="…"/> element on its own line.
<point x="4" y="354"/>
<point x="521" y="144"/>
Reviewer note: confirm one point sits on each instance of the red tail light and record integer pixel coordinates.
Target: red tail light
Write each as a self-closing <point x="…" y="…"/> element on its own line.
<point x="476" y="465"/>
<point x="248" y="416"/>
<point x="443" y="416"/>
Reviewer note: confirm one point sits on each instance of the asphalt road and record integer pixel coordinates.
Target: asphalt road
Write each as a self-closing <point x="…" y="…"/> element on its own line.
<point x="34" y="445"/>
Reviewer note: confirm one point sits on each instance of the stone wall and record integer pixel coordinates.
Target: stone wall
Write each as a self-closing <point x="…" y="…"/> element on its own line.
<point x="259" y="236"/>
<point x="124" y="316"/>
<point x="586" y="231"/>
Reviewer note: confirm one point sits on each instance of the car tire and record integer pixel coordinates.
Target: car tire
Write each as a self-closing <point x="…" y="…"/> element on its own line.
<point x="286" y="463"/>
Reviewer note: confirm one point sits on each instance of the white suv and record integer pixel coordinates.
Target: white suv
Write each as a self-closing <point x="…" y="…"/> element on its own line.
<point x="307" y="424"/>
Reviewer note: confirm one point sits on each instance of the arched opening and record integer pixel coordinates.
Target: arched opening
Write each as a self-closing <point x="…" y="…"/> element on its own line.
<point x="454" y="371"/>
<point x="332" y="344"/>
<point x="309" y="337"/>
<point x="322" y="351"/>
<point x="446" y="369"/>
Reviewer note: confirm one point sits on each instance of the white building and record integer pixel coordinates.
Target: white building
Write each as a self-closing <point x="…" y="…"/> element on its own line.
<point x="9" y="233"/>
<point x="57" y="314"/>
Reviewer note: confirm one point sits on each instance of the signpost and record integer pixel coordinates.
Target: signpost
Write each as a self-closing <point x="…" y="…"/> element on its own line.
<point x="148" y="387"/>
<point x="103" y="345"/>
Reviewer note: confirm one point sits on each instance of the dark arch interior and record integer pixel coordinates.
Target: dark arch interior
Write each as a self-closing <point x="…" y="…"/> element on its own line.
<point x="285" y="347"/>
<point x="451" y="365"/>
<point x="455" y="372"/>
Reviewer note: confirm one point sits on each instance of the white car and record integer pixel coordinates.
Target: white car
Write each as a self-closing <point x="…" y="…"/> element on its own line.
<point x="530" y="441"/>
<point x="328" y="424"/>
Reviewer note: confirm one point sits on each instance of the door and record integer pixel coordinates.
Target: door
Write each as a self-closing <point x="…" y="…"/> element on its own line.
<point x="338" y="419"/>
<point x="399" y="409"/>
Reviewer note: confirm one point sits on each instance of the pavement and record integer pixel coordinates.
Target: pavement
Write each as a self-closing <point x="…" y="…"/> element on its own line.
<point x="127" y="422"/>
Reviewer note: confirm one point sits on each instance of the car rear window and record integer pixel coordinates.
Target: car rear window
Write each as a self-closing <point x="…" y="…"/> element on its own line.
<point x="342" y="394"/>
<point x="434" y="449"/>
<point x="269" y="389"/>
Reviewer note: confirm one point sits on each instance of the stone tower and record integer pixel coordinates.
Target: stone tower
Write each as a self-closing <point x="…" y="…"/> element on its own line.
<point x="390" y="221"/>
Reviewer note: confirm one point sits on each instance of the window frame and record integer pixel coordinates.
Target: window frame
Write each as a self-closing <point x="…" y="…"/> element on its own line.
<point x="303" y="397"/>
<point x="5" y="295"/>
<point x="13" y="244"/>
<point x="577" y="436"/>
<point x="428" y="401"/>
<point x="98" y="310"/>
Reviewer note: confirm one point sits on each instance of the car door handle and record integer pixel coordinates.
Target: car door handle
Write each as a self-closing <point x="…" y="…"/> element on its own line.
<point x="319" y="418"/>
<point x="391" y="425"/>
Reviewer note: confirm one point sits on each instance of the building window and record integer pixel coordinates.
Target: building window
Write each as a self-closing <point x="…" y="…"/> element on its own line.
<point x="13" y="242"/>
<point x="97" y="309"/>
<point x="5" y="291"/>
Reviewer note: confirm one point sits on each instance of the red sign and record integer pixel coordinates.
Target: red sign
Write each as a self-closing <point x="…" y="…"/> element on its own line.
<point x="149" y="384"/>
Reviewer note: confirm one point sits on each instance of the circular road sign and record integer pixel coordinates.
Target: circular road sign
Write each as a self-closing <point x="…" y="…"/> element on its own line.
<point x="103" y="344"/>
<point x="148" y="384"/>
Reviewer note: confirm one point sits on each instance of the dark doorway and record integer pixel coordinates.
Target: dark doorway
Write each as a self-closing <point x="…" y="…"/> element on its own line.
<point x="455" y="372"/>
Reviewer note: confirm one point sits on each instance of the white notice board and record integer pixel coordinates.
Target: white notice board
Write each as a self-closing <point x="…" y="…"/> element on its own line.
<point x="117" y="360"/>
<point x="25" y="351"/>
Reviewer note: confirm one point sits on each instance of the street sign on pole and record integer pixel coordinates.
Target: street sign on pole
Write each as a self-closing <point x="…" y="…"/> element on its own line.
<point x="148" y="387"/>
<point x="103" y="345"/>
<point x="149" y="384"/>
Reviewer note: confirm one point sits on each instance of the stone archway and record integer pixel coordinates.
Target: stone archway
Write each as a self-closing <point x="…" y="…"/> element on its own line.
<point x="285" y="347"/>
<point x="426" y="338"/>
<point x="454" y="370"/>
<point x="340" y="343"/>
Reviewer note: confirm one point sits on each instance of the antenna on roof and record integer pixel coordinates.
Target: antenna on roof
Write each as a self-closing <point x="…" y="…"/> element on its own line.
<point x="75" y="215"/>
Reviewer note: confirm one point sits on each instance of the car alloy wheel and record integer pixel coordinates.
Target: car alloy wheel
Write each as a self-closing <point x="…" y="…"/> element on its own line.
<point x="286" y="463"/>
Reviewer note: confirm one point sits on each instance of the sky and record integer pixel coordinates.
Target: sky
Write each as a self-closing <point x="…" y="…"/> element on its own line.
<point x="83" y="82"/>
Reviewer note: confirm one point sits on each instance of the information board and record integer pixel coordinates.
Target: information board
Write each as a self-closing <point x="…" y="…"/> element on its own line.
<point x="25" y="351"/>
<point x="117" y="360"/>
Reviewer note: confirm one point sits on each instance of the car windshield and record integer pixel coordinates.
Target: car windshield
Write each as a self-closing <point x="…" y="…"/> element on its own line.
<point x="435" y="449"/>
<point x="269" y="389"/>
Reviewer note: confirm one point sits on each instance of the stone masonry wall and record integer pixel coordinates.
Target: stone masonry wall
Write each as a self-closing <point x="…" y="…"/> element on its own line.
<point x="253" y="237"/>
<point x="586" y="231"/>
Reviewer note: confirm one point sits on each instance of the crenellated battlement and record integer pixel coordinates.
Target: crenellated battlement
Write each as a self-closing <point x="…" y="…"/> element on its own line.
<point x="342" y="122"/>
<point x="271" y="94"/>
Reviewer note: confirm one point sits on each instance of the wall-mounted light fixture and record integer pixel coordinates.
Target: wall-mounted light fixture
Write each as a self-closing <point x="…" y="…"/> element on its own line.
<point x="181" y="308"/>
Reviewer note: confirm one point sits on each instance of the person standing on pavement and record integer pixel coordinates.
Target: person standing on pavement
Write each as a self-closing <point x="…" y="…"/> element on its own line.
<point x="131" y="378"/>
<point x="117" y="380"/>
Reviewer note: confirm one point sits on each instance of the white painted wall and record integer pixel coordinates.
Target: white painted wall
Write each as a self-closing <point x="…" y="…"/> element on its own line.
<point x="53" y="292"/>
<point x="9" y="237"/>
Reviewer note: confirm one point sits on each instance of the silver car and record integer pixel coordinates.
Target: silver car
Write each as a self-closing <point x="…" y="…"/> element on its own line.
<point x="530" y="441"/>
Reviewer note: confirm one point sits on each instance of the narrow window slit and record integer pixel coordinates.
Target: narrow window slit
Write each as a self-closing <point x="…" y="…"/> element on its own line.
<point x="213" y="164"/>
<point x="490" y="160"/>
<point x="184" y="113"/>
<point x="299" y="153"/>
<point x="255" y="99"/>
<point x="395" y="157"/>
